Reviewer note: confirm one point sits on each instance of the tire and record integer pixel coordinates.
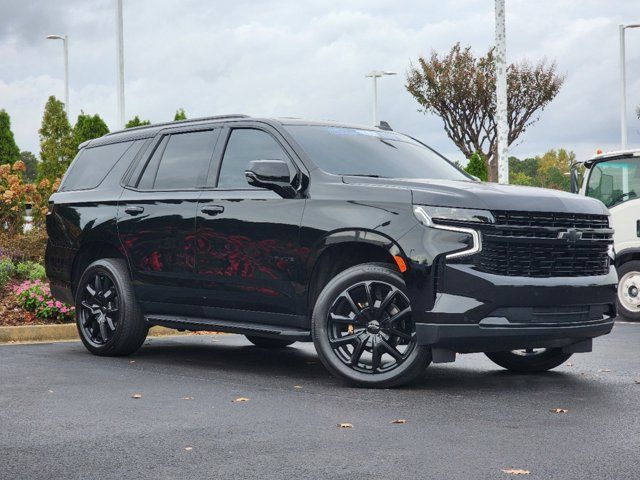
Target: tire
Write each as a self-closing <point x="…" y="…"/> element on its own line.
<point x="109" y="321"/>
<point x="628" y="298"/>
<point x="373" y="327"/>
<point x="264" y="342"/>
<point x="523" y="362"/>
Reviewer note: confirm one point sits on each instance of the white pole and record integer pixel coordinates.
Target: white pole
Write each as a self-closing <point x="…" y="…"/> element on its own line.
<point x="375" y="99"/>
<point x="501" y="94"/>
<point x="65" y="42"/>
<point x="120" y="62"/>
<point x="623" y="92"/>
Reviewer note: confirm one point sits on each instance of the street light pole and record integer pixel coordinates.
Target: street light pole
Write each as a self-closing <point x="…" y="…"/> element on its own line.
<point x="623" y="86"/>
<point x="501" y="94"/>
<point x="120" y="62"/>
<point x="65" y="43"/>
<point x="374" y="75"/>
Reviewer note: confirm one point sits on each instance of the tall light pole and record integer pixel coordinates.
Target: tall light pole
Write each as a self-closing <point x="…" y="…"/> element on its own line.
<point x="623" y="86"/>
<point x="120" y="62"/>
<point x="501" y="95"/>
<point x="65" y="43"/>
<point x="375" y="74"/>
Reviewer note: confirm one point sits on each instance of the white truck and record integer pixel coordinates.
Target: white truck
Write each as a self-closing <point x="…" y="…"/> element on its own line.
<point x="614" y="178"/>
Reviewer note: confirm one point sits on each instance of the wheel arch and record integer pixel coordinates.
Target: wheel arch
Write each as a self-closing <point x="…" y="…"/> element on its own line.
<point x="90" y="252"/>
<point x="343" y="249"/>
<point x="627" y="255"/>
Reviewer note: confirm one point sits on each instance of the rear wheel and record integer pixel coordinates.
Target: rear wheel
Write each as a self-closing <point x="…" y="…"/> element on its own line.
<point x="529" y="360"/>
<point x="629" y="290"/>
<point x="108" y="318"/>
<point x="363" y="330"/>
<point x="264" y="342"/>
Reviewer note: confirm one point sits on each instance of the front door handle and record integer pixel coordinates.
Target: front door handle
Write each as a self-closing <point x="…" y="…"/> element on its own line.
<point x="134" y="210"/>
<point x="212" y="210"/>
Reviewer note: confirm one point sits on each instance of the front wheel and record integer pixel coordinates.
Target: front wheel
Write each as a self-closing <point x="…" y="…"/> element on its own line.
<point x="363" y="331"/>
<point x="629" y="290"/>
<point x="529" y="360"/>
<point x="109" y="320"/>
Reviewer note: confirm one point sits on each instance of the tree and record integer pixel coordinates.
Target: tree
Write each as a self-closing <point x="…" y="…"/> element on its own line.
<point x="460" y="89"/>
<point x="88" y="127"/>
<point x="552" y="169"/>
<point x="477" y="167"/>
<point x="136" y="122"/>
<point x="180" y="115"/>
<point x="57" y="146"/>
<point x="31" y="166"/>
<point x="9" y="151"/>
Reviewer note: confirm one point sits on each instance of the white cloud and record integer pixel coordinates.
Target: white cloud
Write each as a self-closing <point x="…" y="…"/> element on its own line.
<point x="308" y="59"/>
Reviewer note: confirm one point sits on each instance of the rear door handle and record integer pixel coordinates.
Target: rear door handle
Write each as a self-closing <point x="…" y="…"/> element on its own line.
<point x="134" y="210"/>
<point x="212" y="210"/>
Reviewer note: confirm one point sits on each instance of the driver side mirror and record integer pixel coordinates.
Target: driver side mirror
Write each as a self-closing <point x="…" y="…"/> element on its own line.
<point x="271" y="174"/>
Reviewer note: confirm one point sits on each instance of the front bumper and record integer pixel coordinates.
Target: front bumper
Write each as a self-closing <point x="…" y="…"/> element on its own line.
<point x="479" y="312"/>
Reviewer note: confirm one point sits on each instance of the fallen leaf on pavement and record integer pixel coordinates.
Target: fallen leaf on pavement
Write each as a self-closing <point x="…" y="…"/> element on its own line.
<point x="136" y="395"/>
<point x="241" y="399"/>
<point x="569" y="364"/>
<point x="516" y="471"/>
<point x="188" y="449"/>
<point x="345" y="425"/>
<point x="399" y="421"/>
<point x="558" y="410"/>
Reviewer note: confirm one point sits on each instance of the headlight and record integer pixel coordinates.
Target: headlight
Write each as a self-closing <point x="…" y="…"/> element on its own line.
<point x="430" y="215"/>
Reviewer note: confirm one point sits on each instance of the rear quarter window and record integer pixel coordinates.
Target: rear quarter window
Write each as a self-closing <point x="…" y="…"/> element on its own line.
<point x="92" y="165"/>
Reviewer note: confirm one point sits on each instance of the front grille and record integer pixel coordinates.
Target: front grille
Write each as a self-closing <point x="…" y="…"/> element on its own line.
<point x="528" y="244"/>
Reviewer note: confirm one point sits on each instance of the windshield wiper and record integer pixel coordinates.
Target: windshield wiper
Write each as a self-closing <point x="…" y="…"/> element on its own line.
<point x="370" y="175"/>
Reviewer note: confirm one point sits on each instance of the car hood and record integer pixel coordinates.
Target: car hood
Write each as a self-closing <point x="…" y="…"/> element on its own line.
<point x="488" y="196"/>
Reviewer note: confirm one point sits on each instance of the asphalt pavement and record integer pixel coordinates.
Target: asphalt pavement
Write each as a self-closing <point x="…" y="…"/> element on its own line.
<point x="67" y="414"/>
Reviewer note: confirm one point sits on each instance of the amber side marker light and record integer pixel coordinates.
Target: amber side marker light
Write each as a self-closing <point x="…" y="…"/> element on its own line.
<point x="400" y="262"/>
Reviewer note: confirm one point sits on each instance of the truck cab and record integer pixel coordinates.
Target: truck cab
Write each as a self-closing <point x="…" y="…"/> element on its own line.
<point x="614" y="179"/>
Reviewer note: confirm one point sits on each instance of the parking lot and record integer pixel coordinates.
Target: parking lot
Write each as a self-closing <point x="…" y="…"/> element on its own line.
<point x="67" y="414"/>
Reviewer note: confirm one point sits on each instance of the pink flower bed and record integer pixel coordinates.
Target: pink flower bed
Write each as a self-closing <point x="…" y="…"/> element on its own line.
<point x="35" y="296"/>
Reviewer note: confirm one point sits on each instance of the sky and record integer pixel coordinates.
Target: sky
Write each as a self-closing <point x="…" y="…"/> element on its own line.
<point x="308" y="59"/>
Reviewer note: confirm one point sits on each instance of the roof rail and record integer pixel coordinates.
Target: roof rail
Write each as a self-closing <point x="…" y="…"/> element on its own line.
<point x="177" y="122"/>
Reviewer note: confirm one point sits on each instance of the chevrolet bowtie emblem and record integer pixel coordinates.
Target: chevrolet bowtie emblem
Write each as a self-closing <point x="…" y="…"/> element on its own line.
<point x="571" y="235"/>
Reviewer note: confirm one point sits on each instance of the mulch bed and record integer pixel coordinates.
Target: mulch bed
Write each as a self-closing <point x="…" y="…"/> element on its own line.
<point x="11" y="314"/>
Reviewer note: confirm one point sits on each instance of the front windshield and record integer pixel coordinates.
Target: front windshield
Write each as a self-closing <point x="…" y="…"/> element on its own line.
<point x="353" y="151"/>
<point x="614" y="181"/>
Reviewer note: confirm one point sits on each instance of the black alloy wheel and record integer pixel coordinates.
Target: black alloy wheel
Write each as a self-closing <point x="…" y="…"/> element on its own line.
<point x="363" y="329"/>
<point x="370" y="327"/>
<point x="530" y="360"/>
<point x="108" y="317"/>
<point x="99" y="309"/>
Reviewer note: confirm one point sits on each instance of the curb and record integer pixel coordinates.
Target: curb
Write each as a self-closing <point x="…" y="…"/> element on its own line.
<point x="57" y="333"/>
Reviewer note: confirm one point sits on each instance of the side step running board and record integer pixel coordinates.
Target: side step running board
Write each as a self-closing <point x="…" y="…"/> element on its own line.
<point x="257" y="329"/>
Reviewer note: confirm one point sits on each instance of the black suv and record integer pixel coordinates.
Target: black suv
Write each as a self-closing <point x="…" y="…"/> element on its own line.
<point x="364" y="241"/>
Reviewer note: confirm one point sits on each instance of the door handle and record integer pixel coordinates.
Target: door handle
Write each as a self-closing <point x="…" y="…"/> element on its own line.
<point x="212" y="210"/>
<point x="134" y="210"/>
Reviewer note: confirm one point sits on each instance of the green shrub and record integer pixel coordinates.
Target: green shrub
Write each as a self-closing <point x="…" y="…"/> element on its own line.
<point x="477" y="167"/>
<point x="30" y="271"/>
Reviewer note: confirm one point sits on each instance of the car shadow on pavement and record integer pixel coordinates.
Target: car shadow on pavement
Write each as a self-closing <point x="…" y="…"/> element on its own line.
<point x="300" y="363"/>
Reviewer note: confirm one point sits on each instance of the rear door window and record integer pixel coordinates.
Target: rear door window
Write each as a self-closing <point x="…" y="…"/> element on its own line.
<point x="180" y="162"/>
<point x="93" y="164"/>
